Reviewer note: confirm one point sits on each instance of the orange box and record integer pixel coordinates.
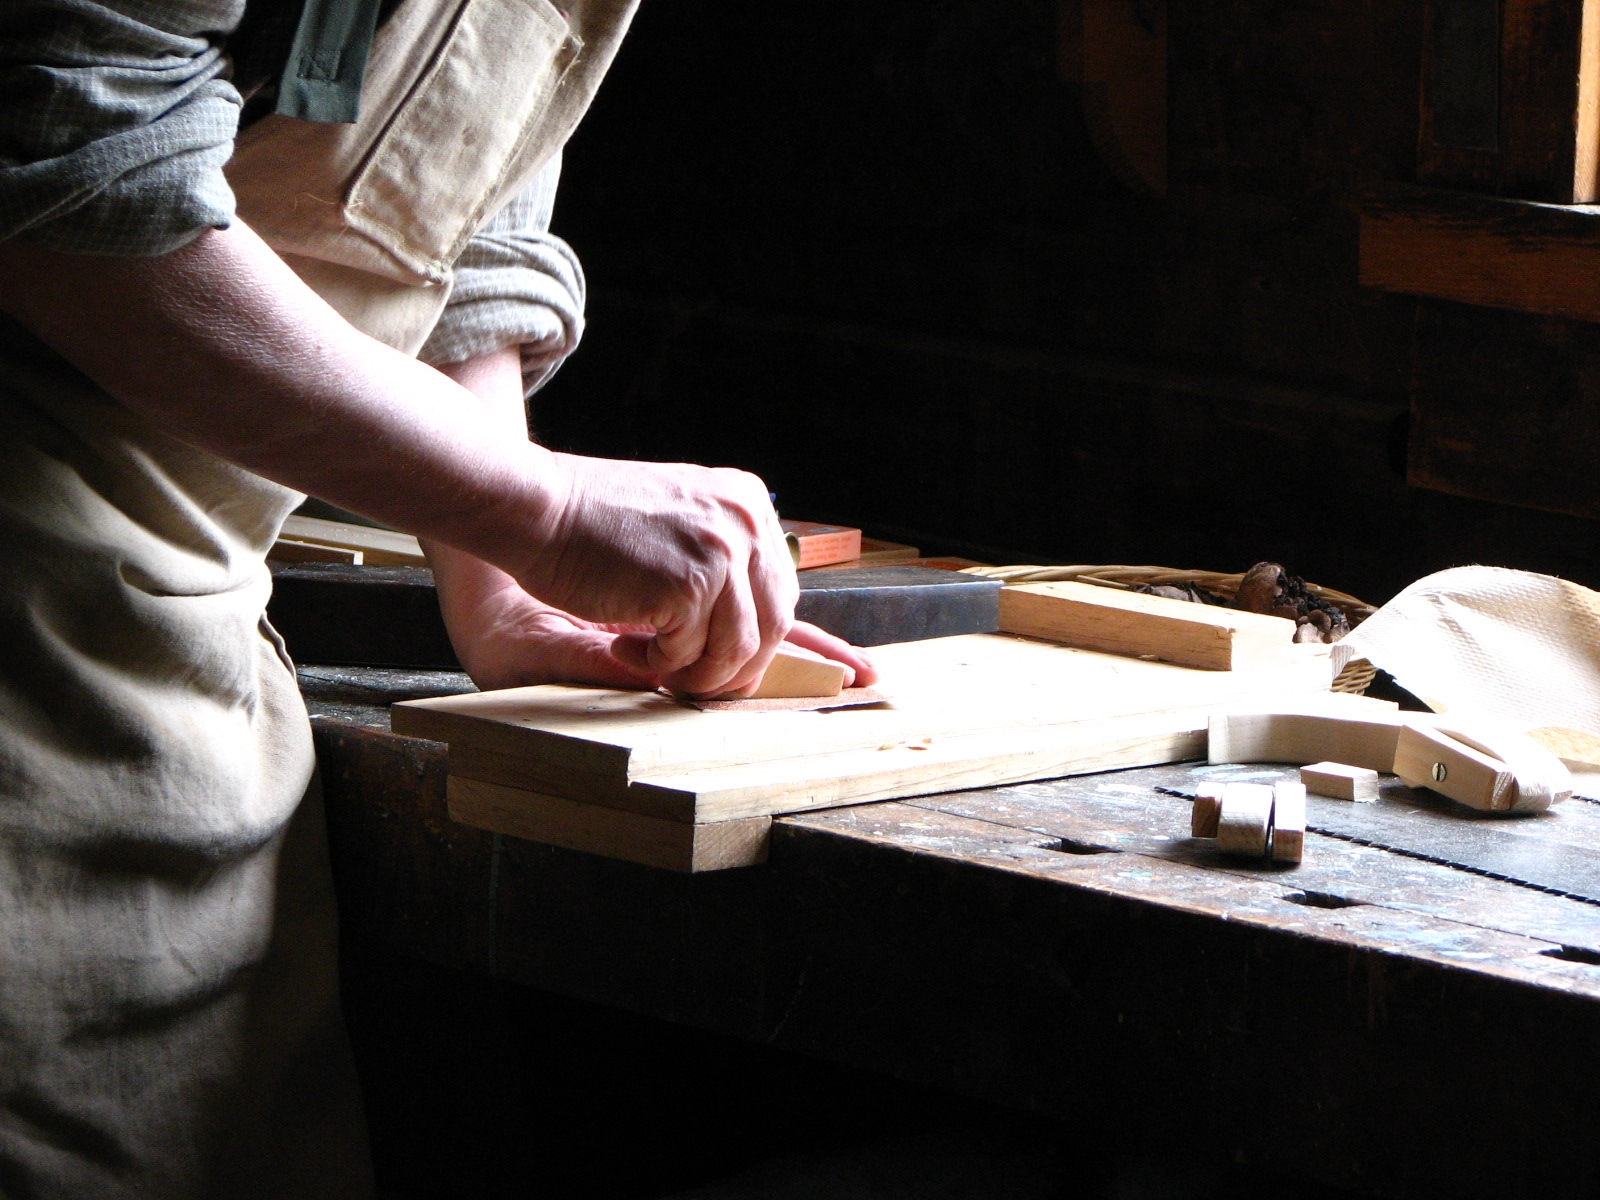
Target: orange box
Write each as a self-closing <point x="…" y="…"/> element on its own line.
<point x="814" y="545"/>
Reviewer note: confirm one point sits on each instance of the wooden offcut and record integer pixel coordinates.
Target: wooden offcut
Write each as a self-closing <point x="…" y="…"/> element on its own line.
<point x="1119" y="622"/>
<point x="1244" y="820"/>
<point x="1207" y="810"/>
<point x="1340" y="780"/>
<point x="1288" y="821"/>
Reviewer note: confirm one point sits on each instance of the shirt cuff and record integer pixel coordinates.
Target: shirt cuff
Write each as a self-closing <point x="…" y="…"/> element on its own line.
<point x="515" y="285"/>
<point x="114" y="132"/>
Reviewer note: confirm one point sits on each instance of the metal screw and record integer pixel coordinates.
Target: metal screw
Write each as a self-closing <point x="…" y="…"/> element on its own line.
<point x="1439" y="772"/>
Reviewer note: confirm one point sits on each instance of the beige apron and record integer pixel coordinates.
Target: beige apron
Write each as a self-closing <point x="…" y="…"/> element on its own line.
<point x="375" y="214"/>
<point x="169" y="1023"/>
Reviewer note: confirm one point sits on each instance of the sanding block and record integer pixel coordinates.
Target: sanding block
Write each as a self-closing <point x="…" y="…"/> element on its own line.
<point x="874" y="606"/>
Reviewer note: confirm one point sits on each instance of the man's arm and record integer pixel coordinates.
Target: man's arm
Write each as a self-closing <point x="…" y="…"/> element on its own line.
<point x="221" y="345"/>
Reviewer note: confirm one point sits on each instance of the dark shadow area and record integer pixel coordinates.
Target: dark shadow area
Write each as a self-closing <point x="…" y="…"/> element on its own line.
<point x="484" y="1089"/>
<point x="872" y="253"/>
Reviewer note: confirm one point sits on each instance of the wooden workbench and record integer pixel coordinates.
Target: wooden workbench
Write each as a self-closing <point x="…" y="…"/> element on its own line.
<point x="1366" y="1020"/>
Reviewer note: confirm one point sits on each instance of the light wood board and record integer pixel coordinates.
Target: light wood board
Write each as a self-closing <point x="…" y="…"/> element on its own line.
<point x="970" y="711"/>
<point x="557" y="821"/>
<point x="379" y="547"/>
<point x="1175" y="631"/>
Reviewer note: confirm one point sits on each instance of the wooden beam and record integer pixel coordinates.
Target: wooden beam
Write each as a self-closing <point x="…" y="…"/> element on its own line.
<point x="1175" y="631"/>
<point x="1511" y="254"/>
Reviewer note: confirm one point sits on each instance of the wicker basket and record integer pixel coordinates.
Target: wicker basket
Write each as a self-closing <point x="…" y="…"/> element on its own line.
<point x="1357" y="675"/>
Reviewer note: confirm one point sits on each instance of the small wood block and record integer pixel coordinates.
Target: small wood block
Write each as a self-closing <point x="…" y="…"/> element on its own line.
<point x="1175" y="631"/>
<point x="1207" y="809"/>
<point x="1288" y="821"/>
<point x="287" y="550"/>
<point x="1244" y="824"/>
<point x="610" y="832"/>
<point x="814" y="545"/>
<point x="1340" y="781"/>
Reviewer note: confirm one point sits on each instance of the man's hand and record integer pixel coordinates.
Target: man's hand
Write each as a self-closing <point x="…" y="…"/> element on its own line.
<point x="506" y="638"/>
<point x="694" y="553"/>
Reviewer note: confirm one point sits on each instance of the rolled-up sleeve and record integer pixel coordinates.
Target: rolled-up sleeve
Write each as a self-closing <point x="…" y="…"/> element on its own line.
<point x="115" y="123"/>
<point x="516" y="285"/>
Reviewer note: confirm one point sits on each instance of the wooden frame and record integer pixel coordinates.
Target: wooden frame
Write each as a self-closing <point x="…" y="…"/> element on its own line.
<point x="1511" y="98"/>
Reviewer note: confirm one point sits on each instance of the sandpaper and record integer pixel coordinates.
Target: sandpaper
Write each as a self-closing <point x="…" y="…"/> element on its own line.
<point x="855" y="697"/>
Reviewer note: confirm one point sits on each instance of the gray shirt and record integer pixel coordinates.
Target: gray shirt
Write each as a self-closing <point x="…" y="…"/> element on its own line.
<point x="116" y="118"/>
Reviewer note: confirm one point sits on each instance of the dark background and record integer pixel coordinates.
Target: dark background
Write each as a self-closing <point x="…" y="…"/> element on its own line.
<point x="870" y="251"/>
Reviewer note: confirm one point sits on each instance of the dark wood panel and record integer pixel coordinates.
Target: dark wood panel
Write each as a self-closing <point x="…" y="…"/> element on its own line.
<point x="1509" y="98"/>
<point x="1508" y="418"/>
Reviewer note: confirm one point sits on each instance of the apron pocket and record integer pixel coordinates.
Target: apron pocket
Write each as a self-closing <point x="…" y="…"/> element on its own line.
<point x="430" y="179"/>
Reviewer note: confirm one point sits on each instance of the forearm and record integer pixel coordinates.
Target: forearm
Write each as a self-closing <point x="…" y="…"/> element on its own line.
<point x="464" y="580"/>
<point x="223" y="346"/>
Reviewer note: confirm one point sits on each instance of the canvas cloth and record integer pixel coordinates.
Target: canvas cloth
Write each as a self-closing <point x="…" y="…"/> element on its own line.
<point x="1519" y="648"/>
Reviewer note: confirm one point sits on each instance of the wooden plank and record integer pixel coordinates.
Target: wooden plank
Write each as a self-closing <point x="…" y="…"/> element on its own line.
<point x="1537" y="258"/>
<point x="613" y="833"/>
<point x="381" y="547"/>
<point x="946" y="687"/>
<point x="1175" y="631"/>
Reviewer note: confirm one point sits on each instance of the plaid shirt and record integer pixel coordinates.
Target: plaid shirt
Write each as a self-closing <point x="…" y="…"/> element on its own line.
<point x="116" y="119"/>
